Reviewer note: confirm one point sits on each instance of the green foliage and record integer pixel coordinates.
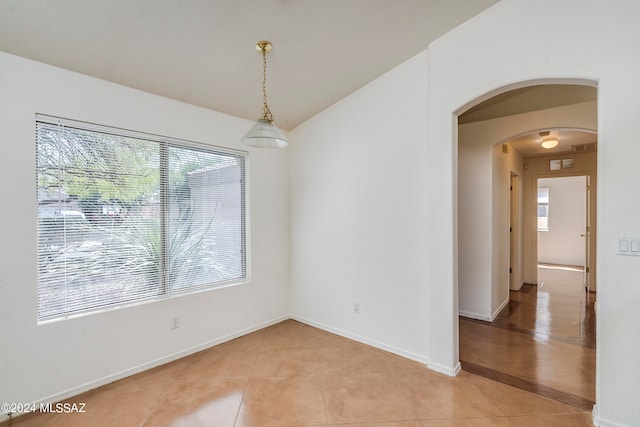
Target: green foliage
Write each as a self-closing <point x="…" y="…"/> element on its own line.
<point x="128" y="255"/>
<point x="85" y="163"/>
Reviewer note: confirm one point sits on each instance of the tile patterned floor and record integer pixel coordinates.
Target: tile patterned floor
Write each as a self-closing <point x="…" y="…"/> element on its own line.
<point x="291" y="374"/>
<point x="544" y="341"/>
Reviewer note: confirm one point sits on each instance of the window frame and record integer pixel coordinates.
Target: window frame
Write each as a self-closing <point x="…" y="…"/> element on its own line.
<point x="164" y="144"/>
<point x="546" y="206"/>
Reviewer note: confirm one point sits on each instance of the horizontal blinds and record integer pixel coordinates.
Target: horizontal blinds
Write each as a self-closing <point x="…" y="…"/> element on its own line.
<point x="204" y="217"/>
<point x="123" y="218"/>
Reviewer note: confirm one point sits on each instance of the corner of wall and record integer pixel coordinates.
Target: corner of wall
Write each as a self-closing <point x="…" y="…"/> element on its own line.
<point x="497" y="311"/>
<point x="452" y="372"/>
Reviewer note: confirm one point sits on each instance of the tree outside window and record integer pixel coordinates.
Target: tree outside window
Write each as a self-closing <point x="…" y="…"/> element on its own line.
<point x="124" y="217"/>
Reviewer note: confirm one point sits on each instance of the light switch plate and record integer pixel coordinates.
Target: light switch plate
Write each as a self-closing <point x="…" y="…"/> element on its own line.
<point x="628" y="246"/>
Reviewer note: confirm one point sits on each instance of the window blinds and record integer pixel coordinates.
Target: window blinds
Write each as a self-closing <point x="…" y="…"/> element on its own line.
<point x="125" y="217"/>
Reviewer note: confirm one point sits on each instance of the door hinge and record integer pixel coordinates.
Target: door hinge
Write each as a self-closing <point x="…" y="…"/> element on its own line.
<point x="587" y="269"/>
<point x="509" y="270"/>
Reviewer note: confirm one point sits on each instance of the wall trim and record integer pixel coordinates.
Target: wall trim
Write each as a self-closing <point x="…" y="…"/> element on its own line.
<point x="518" y="287"/>
<point x="391" y="349"/>
<point x="146" y="366"/>
<point x="483" y="317"/>
<point x="499" y="309"/>
<point x="473" y="315"/>
<point x="599" y="422"/>
<point x="445" y="369"/>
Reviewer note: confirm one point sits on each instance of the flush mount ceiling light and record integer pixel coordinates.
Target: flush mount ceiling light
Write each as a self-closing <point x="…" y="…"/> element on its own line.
<point x="264" y="134"/>
<point x="547" y="141"/>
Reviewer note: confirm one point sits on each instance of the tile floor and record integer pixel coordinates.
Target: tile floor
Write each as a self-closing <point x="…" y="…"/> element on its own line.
<point x="544" y="341"/>
<point x="291" y="374"/>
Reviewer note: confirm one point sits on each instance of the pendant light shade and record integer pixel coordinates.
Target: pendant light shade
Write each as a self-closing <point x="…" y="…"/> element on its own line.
<point x="264" y="134"/>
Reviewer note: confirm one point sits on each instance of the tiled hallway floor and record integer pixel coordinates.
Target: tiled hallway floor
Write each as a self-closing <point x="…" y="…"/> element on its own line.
<point x="544" y="341"/>
<point x="291" y="374"/>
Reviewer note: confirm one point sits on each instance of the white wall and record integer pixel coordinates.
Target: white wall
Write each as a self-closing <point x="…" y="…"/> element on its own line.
<point x="484" y="173"/>
<point x="562" y="243"/>
<point x="359" y="208"/>
<point x="474" y="226"/>
<point x="598" y="41"/>
<point x="54" y="360"/>
<point x="502" y="165"/>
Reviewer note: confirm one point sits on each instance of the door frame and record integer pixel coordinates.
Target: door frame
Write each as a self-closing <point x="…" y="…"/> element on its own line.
<point x="583" y="168"/>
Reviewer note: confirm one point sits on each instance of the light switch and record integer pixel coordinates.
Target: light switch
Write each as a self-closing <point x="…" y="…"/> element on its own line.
<point x="629" y="246"/>
<point x="623" y="245"/>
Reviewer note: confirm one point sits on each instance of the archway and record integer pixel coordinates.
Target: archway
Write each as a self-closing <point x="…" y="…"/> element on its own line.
<point x="487" y="159"/>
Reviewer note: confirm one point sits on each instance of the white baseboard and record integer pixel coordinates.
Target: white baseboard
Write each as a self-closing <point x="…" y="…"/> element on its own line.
<point x="473" y="315"/>
<point x="600" y="422"/>
<point x="445" y="369"/>
<point x="145" y="366"/>
<point x="518" y="287"/>
<point x="499" y="309"/>
<point x="364" y="340"/>
<point x="484" y="317"/>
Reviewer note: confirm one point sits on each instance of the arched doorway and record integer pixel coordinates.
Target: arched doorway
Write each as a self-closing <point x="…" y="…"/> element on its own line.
<point x="496" y="233"/>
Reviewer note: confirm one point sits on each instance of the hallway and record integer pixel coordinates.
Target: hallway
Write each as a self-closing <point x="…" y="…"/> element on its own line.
<point x="543" y="341"/>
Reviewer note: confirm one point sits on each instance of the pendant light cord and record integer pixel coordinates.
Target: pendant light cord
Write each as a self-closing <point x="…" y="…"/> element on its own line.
<point x="266" y="113"/>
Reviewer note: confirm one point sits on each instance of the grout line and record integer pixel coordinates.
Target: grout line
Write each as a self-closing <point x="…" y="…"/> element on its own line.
<point x="474" y="385"/>
<point x="164" y="395"/>
<point x="246" y="386"/>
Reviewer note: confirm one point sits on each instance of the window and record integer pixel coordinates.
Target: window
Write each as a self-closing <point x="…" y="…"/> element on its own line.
<point x="559" y="164"/>
<point x="125" y="217"/>
<point x="543" y="209"/>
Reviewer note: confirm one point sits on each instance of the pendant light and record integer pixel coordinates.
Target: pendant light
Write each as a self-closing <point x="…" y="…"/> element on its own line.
<point x="264" y="134"/>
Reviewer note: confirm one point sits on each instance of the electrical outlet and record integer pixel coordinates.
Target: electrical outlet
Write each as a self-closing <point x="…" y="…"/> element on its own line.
<point x="356" y="308"/>
<point x="175" y="322"/>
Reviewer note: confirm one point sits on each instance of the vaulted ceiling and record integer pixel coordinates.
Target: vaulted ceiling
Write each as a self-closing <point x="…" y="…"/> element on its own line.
<point x="203" y="51"/>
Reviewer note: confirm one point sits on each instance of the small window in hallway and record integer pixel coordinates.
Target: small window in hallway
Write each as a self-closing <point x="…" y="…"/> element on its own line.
<point x="543" y="209"/>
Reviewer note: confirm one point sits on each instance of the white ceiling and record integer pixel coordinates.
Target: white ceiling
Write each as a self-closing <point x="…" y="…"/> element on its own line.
<point x="529" y="145"/>
<point x="527" y="99"/>
<point x="533" y="98"/>
<point x="203" y="51"/>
